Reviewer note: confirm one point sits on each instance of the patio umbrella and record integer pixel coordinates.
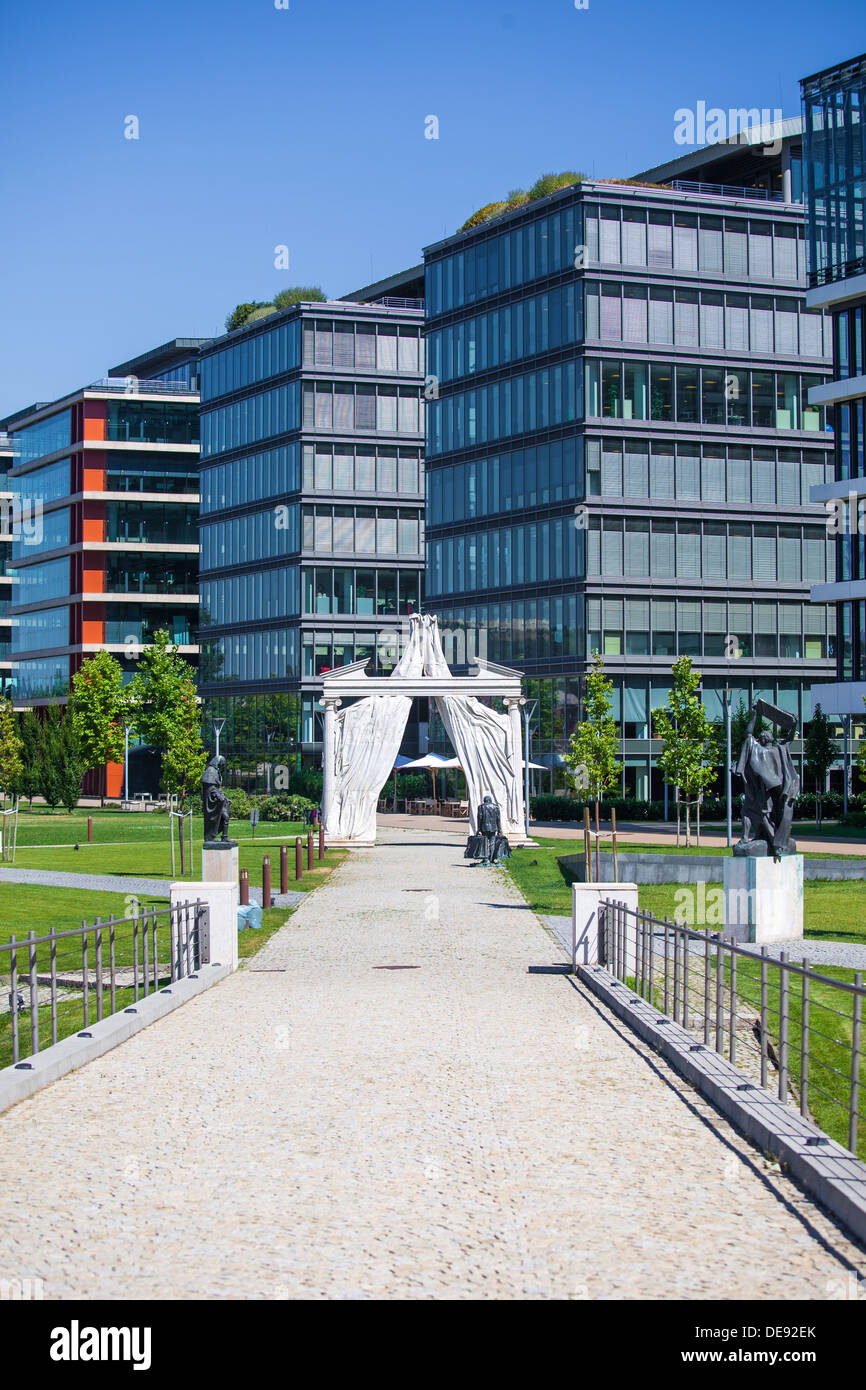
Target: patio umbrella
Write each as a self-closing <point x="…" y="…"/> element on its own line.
<point x="432" y="762"/>
<point x="399" y="762"/>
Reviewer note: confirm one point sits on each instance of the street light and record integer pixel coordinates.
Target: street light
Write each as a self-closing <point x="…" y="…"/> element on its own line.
<point x="728" y="694"/>
<point x="218" y="726"/>
<point x="126" y="731"/>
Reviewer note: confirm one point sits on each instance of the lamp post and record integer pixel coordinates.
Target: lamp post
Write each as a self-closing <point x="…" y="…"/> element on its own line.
<point x="528" y="712"/>
<point x="126" y="732"/>
<point x="218" y="726"/>
<point x="846" y="766"/>
<point x="728" y="694"/>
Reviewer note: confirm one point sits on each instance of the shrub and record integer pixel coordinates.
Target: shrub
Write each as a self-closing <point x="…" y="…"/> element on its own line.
<point x="482" y="215"/>
<point x="283" y="808"/>
<point x="549" y="183"/>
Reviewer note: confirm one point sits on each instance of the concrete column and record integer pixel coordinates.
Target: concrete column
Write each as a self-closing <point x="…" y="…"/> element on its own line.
<point x="330" y="706"/>
<point x="222" y="900"/>
<point x="786" y="172"/>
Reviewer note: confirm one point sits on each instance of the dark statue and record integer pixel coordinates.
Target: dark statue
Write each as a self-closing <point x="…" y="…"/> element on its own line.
<point x="215" y="803"/>
<point x="771" y="785"/>
<point x="489" y="844"/>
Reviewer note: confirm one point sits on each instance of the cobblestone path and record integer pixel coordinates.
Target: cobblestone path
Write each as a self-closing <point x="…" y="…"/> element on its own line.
<point x="475" y="1127"/>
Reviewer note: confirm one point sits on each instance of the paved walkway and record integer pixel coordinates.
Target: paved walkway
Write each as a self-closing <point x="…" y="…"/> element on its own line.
<point x="476" y="1127"/>
<point x="103" y="883"/>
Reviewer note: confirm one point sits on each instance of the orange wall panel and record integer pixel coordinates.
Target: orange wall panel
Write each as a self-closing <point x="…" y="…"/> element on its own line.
<point x="95" y="419"/>
<point x="114" y="779"/>
<point x="93" y="578"/>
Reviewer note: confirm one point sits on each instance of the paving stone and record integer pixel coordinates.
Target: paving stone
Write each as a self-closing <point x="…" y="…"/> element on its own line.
<point x="315" y="1127"/>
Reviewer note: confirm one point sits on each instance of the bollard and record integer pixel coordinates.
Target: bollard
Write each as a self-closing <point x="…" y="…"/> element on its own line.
<point x="245" y="887"/>
<point x="299" y="863"/>
<point x="90" y="830"/>
<point x="310" y="849"/>
<point x="284" y="868"/>
<point x="266" y="883"/>
<point x="321" y="841"/>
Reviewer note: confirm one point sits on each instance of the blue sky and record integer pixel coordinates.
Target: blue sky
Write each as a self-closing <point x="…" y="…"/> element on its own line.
<point x="304" y="127"/>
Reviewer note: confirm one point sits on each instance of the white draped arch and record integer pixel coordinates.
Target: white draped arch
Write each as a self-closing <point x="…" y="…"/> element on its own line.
<point x="361" y="741"/>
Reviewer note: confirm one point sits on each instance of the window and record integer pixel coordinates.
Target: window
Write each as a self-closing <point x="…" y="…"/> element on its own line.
<point x="713" y="395"/>
<point x="688" y="399"/>
<point x="660" y="247"/>
<point x="634" y="314"/>
<point x="661" y="326"/>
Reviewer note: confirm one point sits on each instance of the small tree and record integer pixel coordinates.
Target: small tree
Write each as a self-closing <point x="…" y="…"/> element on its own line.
<point x="689" y="748"/>
<point x="592" y="754"/>
<point x="98" y="707"/>
<point x="185" y="757"/>
<point x="820" y="751"/>
<point x="11" y="751"/>
<point x="30" y="730"/>
<point x="70" y="769"/>
<point x="49" y="779"/>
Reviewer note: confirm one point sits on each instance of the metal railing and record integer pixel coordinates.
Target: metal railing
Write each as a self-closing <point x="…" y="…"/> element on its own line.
<point x="397" y="301"/>
<point x="64" y="980"/>
<point x="726" y="190"/>
<point x="136" y="386"/>
<point x="843" y="271"/>
<point x="759" y="1011"/>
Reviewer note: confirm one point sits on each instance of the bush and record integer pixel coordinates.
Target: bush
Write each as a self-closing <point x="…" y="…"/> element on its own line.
<point x="283" y="808"/>
<point x="240" y="803"/>
<point x="549" y="183"/>
<point x="482" y="215"/>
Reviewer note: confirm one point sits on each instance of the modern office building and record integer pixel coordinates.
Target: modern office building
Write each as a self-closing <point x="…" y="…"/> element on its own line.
<point x="106" y="553"/>
<point x="6" y="577"/>
<point x="312" y="526"/>
<point x="622" y="449"/>
<point x="835" y="158"/>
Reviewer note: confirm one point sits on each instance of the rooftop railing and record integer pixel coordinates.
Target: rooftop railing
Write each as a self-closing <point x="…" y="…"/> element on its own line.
<point x="829" y="273"/>
<point x="726" y="190"/>
<point x="394" y="301"/>
<point x="133" y="386"/>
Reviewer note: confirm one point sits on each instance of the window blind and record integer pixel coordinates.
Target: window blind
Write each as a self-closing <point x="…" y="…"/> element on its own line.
<point x="633" y="237"/>
<point x="662" y="551"/>
<point x="637" y="548"/>
<point x="760" y="251"/>
<point x="659" y="241"/>
<point x="636" y="479"/>
<point x="686" y="319"/>
<point x="712" y="479"/>
<point x="661" y="475"/>
<point x="786" y="325"/>
<point x="685" y="242"/>
<point x="764" y="553"/>
<point x="609" y="236"/>
<point x="736" y="323"/>
<point x="785" y="252"/>
<point x="712" y="321"/>
<point x="710" y="243"/>
<point x="736" y="249"/>
<point x="688" y="550"/>
<point x="634" y="311"/>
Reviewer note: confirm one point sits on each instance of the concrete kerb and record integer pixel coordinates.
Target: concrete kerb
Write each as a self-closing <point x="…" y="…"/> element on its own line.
<point x="827" y="1170"/>
<point x="22" y="1080"/>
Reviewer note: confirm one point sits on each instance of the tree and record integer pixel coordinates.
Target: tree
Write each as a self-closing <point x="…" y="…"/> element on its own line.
<point x="49" y="779"/>
<point x="592" y="753"/>
<point x="98" y="708"/>
<point x="165" y="711"/>
<point x="241" y="312"/>
<point x="299" y="294"/>
<point x="11" y="751"/>
<point x="689" y="748"/>
<point x="30" y="730"/>
<point x="184" y="759"/>
<point x="71" y="767"/>
<point x="820" y="751"/>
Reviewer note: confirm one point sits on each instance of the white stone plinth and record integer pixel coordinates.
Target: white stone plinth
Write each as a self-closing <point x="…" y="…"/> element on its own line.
<point x="764" y="898"/>
<point x="585" y="898"/>
<point x="222" y="900"/>
<point x="220" y="865"/>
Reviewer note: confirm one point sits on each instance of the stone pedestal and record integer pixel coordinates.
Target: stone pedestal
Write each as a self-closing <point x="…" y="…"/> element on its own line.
<point x="764" y="898"/>
<point x="585" y="898"/>
<point x="222" y="901"/>
<point x="219" y="861"/>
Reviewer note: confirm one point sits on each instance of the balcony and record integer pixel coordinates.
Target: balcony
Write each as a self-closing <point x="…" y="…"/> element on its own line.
<point x="726" y="190"/>
<point x="135" y="386"/>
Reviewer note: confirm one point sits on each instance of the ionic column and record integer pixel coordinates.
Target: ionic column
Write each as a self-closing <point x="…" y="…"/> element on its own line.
<point x="330" y="705"/>
<point x="513" y="704"/>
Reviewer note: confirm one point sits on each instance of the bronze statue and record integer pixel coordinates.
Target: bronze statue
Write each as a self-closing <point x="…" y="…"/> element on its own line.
<point x="771" y="785"/>
<point x="215" y="804"/>
<point x="494" y="846"/>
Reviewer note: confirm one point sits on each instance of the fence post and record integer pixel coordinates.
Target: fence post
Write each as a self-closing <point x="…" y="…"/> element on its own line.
<point x="321" y="840"/>
<point x="284" y="868"/>
<point x="804" y="1042"/>
<point x="112" y="962"/>
<point x="244" y="888"/>
<point x="720" y="994"/>
<point x="90" y="830"/>
<point x="732" y="1039"/>
<point x="266" y="882"/>
<point x="34" y="995"/>
<point x="666" y="967"/>
<point x="587" y="852"/>
<point x="675" y="1014"/>
<point x="53" y="953"/>
<point x="84" y="973"/>
<point x="784" y="984"/>
<point x="13" y="997"/>
<point x="706" y="988"/>
<point x="854" y="1099"/>
<point x="98" y="944"/>
<point x="299" y="861"/>
<point x="764" y="991"/>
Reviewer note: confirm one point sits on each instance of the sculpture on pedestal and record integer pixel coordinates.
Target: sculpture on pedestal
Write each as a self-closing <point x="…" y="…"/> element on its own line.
<point x="215" y="804"/>
<point x="771" y="785"/>
<point x="489" y="844"/>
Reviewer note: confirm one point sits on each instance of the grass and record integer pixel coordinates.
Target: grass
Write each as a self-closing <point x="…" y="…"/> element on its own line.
<point x="833" y="910"/>
<point x="136" y="844"/>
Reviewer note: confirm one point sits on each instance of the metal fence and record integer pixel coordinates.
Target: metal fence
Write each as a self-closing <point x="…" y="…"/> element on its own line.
<point x="63" y="981"/>
<point x="726" y="190"/>
<point x="764" y="1013"/>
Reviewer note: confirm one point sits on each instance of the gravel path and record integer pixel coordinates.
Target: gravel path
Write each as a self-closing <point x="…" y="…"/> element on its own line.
<point x="477" y="1127"/>
<point x="102" y="883"/>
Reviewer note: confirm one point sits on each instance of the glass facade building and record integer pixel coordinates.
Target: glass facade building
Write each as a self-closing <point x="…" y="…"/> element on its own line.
<point x="104" y="487"/>
<point x="6" y="574"/>
<point x="621" y="446"/>
<point x="834" y="102"/>
<point x="312" y="526"/>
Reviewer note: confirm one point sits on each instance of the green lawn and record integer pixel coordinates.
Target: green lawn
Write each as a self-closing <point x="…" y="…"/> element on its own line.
<point x="137" y="844"/>
<point x="833" y="910"/>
